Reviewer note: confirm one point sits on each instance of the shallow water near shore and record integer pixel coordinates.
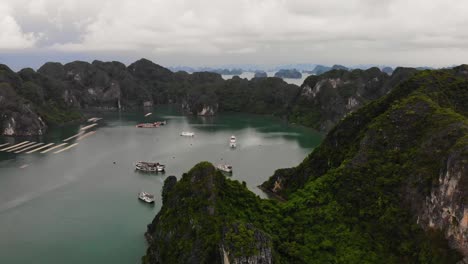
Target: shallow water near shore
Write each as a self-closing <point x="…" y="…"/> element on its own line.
<point x="81" y="206"/>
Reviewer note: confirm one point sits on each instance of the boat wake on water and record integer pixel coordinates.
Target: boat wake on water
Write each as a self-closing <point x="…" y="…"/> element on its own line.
<point x="23" y="199"/>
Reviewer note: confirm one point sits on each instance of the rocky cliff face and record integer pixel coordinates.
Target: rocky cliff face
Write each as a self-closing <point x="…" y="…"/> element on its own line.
<point x="193" y="225"/>
<point x="17" y="115"/>
<point x="327" y="98"/>
<point x="446" y="208"/>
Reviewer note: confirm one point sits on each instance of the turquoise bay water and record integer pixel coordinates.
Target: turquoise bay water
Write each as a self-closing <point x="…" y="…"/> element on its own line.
<point x="79" y="207"/>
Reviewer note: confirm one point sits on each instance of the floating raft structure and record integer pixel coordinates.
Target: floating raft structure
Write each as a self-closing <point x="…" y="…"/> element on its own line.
<point x="19" y="144"/>
<point x="37" y="149"/>
<point x="88" y="127"/>
<point x="74" y="136"/>
<point x="54" y="147"/>
<point x="94" y="119"/>
<point x="66" y="148"/>
<point x="28" y="148"/>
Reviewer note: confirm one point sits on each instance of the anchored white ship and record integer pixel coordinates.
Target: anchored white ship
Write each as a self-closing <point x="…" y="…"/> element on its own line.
<point x="146" y="197"/>
<point x="149" y="166"/>
<point x="187" y="134"/>
<point x="232" y="142"/>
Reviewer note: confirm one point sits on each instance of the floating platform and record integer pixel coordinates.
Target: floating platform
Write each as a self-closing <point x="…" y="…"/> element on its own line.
<point x="28" y="148"/>
<point x="72" y="137"/>
<point x="19" y="144"/>
<point x="88" y="127"/>
<point x="86" y="135"/>
<point x="37" y="149"/>
<point x="66" y="148"/>
<point x="54" y="147"/>
<point x="20" y="147"/>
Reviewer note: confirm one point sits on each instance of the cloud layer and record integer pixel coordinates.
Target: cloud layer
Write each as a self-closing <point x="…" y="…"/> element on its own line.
<point x="244" y="31"/>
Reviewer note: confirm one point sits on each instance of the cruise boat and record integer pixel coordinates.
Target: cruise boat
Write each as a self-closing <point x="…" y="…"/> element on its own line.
<point x="187" y="134"/>
<point x="232" y="142"/>
<point x="146" y="197"/>
<point x="225" y="167"/>
<point x="149" y="166"/>
<point x="147" y="125"/>
<point x="151" y="125"/>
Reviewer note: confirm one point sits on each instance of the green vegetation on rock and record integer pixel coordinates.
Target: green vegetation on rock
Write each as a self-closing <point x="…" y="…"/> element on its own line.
<point x="375" y="191"/>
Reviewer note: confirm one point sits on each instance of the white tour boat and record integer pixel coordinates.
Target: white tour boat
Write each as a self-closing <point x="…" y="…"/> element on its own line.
<point x="232" y="142"/>
<point x="146" y="197"/>
<point x="149" y="166"/>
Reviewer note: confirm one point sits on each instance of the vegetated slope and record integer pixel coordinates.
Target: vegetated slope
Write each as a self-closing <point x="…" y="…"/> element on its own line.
<point x="387" y="185"/>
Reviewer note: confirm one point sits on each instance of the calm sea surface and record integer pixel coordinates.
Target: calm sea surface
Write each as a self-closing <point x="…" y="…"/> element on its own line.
<point x="78" y="206"/>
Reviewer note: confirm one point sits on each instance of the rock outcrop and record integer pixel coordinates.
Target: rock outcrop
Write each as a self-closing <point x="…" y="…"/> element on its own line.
<point x="446" y="208"/>
<point x="320" y="69"/>
<point x="260" y="74"/>
<point x="288" y="73"/>
<point x="325" y="99"/>
<point x="193" y="225"/>
<point x="387" y="70"/>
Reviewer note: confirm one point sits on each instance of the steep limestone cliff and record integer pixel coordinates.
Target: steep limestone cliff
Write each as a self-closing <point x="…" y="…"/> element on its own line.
<point x="412" y="144"/>
<point x="327" y="98"/>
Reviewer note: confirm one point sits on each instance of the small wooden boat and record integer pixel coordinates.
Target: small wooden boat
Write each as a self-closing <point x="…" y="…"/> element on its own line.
<point x="149" y="166"/>
<point x="224" y="167"/>
<point x="146" y="197"/>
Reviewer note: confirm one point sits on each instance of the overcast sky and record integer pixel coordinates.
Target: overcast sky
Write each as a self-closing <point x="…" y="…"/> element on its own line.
<point x="220" y="32"/>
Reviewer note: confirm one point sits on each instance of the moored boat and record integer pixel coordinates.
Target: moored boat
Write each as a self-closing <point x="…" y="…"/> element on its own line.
<point x="151" y="125"/>
<point x="232" y="142"/>
<point x="146" y="197"/>
<point x="187" y="134"/>
<point x="149" y="166"/>
<point x="224" y="167"/>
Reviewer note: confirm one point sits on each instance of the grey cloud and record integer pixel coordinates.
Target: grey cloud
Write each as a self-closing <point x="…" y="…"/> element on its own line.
<point x="245" y="31"/>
